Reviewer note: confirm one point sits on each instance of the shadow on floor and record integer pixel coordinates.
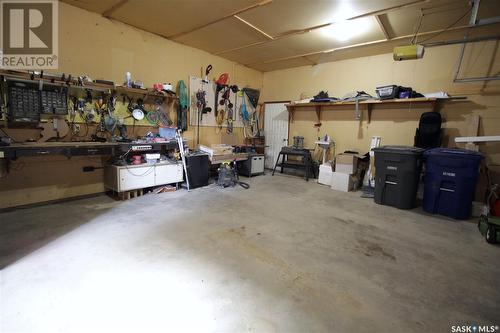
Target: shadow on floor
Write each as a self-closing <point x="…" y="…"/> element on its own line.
<point x="25" y="230"/>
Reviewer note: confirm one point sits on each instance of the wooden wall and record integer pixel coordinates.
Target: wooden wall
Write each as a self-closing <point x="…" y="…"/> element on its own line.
<point x="103" y="49"/>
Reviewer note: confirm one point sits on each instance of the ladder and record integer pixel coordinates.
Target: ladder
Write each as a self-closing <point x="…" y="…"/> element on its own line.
<point x="183" y="156"/>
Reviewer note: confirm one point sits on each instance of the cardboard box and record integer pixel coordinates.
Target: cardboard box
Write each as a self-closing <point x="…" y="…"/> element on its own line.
<point x="325" y="174"/>
<point x="342" y="182"/>
<point x="346" y="163"/>
<point x="220" y="149"/>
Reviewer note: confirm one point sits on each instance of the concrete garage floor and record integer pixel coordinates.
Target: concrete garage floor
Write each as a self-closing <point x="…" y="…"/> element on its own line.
<point x="285" y="256"/>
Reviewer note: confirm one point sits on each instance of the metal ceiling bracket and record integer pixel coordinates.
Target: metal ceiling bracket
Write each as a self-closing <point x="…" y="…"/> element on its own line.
<point x="475" y="10"/>
<point x="472" y="22"/>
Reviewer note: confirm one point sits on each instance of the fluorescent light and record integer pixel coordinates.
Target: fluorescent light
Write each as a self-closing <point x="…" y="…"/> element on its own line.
<point x="346" y="30"/>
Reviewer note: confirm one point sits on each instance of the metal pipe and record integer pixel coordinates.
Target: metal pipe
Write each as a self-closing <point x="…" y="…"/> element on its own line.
<point x="473" y="21"/>
<point x="375" y="42"/>
<point x="462" y="41"/>
<point x="476" y="79"/>
<point x="460" y="58"/>
<point x="475" y="10"/>
<point x="487" y="21"/>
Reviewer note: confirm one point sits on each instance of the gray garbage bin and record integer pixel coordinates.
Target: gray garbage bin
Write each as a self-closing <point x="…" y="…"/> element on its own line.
<point x="397" y="173"/>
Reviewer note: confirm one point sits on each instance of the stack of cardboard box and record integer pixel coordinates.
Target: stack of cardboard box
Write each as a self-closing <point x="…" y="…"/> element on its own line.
<point x="325" y="174"/>
<point x="344" y="177"/>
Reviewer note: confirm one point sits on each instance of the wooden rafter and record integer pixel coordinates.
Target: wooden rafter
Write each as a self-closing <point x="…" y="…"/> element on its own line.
<point x="313" y="28"/>
<point x="382" y="27"/>
<point x="352" y="46"/>
<point x="254" y="27"/>
<point x="107" y="13"/>
<point x="258" y="4"/>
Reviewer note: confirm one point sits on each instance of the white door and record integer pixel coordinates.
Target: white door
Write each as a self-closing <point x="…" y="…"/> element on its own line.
<point x="275" y="130"/>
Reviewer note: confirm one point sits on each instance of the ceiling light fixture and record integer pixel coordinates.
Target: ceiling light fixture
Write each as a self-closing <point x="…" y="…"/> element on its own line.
<point x="343" y="31"/>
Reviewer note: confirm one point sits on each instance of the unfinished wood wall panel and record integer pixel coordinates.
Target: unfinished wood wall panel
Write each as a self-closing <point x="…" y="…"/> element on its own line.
<point x="108" y="49"/>
<point x="296" y="62"/>
<point x="223" y="35"/>
<point x="258" y="34"/>
<point x="396" y="125"/>
<point x="299" y="14"/>
<point x="165" y="17"/>
<point x="94" y="6"/>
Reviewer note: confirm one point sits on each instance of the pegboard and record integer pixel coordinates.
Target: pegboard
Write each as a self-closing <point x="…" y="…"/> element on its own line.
<point x="208" y="119"/>
<point x="121" y="112"/>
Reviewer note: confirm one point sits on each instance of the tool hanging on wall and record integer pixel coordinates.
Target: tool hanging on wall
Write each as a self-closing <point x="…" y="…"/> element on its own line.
<point x="201" y="102"/>
<point x="221" y="84"/>
<point x="243" y="108"/>
<point x="207" y="71"/>
<point x="110" y="120"/>
<point x="230" y="117"/>
<point x="136" y="109"/>
<point x="158" y="117"/>
<point x="53" y="128"/>
<point x="250" y="118"/>
<point x="87" y="111"/>
<point x="200" y="105"/>
<point x="223" y="106"/>
<point x="182" y="106"/>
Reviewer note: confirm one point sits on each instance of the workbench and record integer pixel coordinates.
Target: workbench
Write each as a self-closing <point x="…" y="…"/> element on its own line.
<point x="70" y="149"/>
<point x="306" y="163"/>
<point x="218" y="159"/>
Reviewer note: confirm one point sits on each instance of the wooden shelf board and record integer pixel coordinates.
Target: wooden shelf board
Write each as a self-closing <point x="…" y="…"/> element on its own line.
<point x="328" y="106"/>
<point x="147" y="91"/>
<point x="73" y="84"/>
<point x="387" y="101"/>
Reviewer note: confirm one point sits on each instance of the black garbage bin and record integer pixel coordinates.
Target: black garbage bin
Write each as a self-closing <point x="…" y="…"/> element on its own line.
<point x="397" y="173"/>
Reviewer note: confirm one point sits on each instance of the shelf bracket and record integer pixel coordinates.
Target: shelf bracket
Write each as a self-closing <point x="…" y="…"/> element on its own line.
<point x="369" y="111"/>
<point x="318" y="113"/>
<point x="358" y="112"/>
<point x="291" y="111"/>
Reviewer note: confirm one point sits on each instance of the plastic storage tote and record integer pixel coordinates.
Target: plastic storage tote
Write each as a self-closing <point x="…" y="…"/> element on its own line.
<point x="450" y="181"/>
<point x="397" y="173"/>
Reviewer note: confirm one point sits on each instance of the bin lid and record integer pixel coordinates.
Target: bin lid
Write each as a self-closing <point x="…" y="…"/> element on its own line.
<point x="404" y="150"/>
<point x="453" y="152"/>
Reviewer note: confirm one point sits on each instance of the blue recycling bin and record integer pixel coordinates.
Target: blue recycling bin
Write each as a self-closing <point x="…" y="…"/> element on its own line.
<point x="450" y="181"/>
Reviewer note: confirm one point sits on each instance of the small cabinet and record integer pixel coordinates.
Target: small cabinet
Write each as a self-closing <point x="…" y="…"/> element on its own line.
<point x="257" y="164"/>
<point x="132" y="177"/>
<point x="254" y="165"/>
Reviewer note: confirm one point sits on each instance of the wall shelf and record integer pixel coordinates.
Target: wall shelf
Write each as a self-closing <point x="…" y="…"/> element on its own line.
<point x="72" y="83"/>
<point x="147" y="92"/>
<point x="367" y="105"/>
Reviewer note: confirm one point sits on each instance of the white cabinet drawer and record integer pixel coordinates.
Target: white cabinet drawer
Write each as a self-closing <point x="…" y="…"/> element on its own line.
<point x="168" y="174"/>
<point x="257" y="164"/>
<point x="134" y="178"/>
